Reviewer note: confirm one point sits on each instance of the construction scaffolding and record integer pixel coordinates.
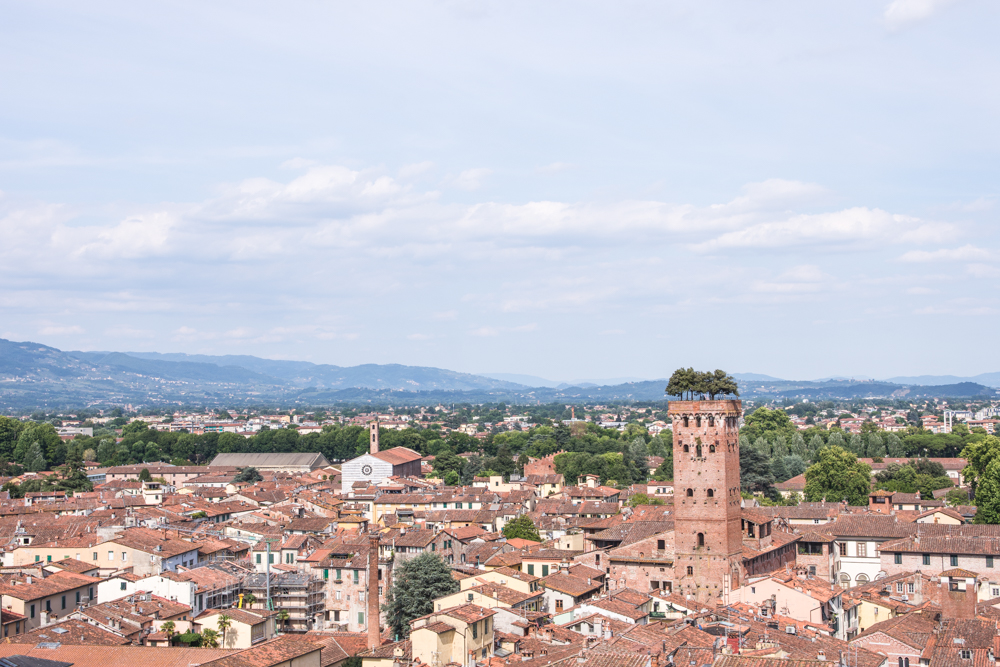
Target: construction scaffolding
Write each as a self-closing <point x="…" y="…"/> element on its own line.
<point x="301" y="596"/>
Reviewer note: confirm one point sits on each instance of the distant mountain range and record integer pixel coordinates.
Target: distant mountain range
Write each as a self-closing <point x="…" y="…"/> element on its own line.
<point x="38" y="376"/>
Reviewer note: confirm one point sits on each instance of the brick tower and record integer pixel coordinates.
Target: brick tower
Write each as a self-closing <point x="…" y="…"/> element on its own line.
<point x="707" y="530"/>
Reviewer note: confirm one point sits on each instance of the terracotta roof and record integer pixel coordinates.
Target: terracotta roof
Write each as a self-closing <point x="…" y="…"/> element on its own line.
<point x="470" y="613"/>
<point x="266" y="654"/>
<point x="570" y="584"/>
<point x="118" y="656"/>
<point x="77" y="633"/>
<point x="397" y="455"/>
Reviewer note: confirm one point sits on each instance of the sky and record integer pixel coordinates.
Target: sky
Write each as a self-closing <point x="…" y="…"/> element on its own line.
<point x="564" y="189"/>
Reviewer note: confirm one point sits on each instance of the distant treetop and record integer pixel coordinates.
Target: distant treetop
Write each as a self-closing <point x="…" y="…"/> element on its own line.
<point x="696" y="385"/>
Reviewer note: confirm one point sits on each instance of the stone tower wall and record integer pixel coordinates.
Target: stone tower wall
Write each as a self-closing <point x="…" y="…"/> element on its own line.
<point x="707" y="497"/>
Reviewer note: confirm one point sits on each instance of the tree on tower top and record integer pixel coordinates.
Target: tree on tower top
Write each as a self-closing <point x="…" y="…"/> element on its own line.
<point x="696" y="385"/>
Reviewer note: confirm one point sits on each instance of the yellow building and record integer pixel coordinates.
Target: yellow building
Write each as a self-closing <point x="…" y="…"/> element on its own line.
<point x="246" y="628"/>
<point x="462" y="634"/>
<point x="492" y="596"/>
<point x="504" y="576"/>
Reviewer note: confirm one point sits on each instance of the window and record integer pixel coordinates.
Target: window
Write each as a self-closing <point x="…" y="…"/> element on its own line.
<point x="32" y="611"/>
<point x="48" y="559"/>
<point x="897" y="558"/>
<point x="78" y="597"/>
<point x="37" y="558"/>
<point x="927" y="559"/>
<point x="690" y="570"/>
<point x="90" y="592"/>
<point x="361" y="618"/>
<point x="336" y="616"/>
<point x="484" y="651"/>
<point x="989" y="561"/>
<point x="124" y="586"/>
<point x="124" y="556"/>
<point x="559" y="605"/>
<point x="270" y="559"/>
<point x="111" y="555"/>
<point x="750" y="529"/>
<point x="909" y="588"/>
<point x="965" y="654"/>
<point x="338" y="575"/>
<point x="475" y="630"/>
<point x="711" y="493"/>
<point x="64" y="602"/>
<point x="810" y="548"/>
<point x="686" y="449"/>
<point x="842" y="548"/>
<point x="545" y="570"/>
<point x="701" y="540"/>
<point x="954" y="560"/>
<point x="660" y="545"/>
<point x="899" y="586"/>
<point x="862" y="549"/>
<point x="355" y="576"/>
<point x="690" y="493"/>
<point x="48" y="605"/>
<point x="326" y="574"/>
<point x="812" y="570"/>
<point x="338" y="595"/>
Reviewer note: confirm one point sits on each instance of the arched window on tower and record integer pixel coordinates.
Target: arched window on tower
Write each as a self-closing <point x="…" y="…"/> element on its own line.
<point x="711" y="420"/>
<point x="690" y="570"/>
<point x="697" y="421"/>
<point x="685" y="420"/>
<point x="711" y="449"/>
<point x="711" y="493"/>
<point x="686" y="449"/>
<point x="698" y="451"/>
<point x="690" y="493"/>
<point x="701" y="540"/>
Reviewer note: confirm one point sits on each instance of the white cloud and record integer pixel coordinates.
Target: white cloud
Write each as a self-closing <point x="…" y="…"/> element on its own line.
<point x="964" y="254"/>
<point x="416" y="169"/>
<point x="902" y="12"/>
<point x="850" y="227"/>
<point x="470" y="179"/>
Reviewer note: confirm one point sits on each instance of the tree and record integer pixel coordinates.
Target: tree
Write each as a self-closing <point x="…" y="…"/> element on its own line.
<point x="451" y="478"/>
<point x="642" y="499"/>
<point x="838" y="475"/>
<point x="988" y="494"/>
<point x="755" y="472"/>
<point x="522" y="527"/>
<point x="168" y="628"/>
<point x="283" y="616"/>
<point x="720" y="383"/>
<point x="209" y="638"/>
<point x="795" y="466"/>
<point x="957" y="497"/>
<point x="224" y="622"/>
<point x="35" y="460"/>
<point x="682" y="382"/>
<point x="417" y="583"/>
<point x="768" y="424"/>
<point x="250" y="600"/>
<point x="249" y="475"/>
<point x="446" y="460"/>
<point x="145" y="476"/>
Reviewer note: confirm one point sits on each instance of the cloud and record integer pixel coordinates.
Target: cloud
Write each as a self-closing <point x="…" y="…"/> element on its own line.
<point x="902" y="12"/>
<point x="850" y="227"/>
<point x="53" y="330"/>
<point x="127" y="332"/>
<point x="419" y="336"/>
<point x="496" y="331"/>
<point x="416" y="169"/>
<point x="470" y="179"/>
<point x="806" y="278"/>
<point x="298" y="163"/>
<point x="964" y="254"/>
